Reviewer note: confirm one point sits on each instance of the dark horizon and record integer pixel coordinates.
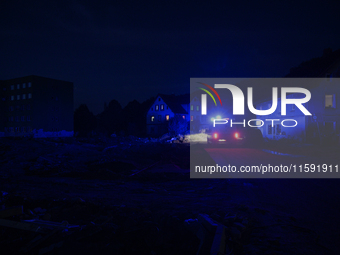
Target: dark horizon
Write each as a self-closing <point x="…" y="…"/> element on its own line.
<point x="130" y="52"/>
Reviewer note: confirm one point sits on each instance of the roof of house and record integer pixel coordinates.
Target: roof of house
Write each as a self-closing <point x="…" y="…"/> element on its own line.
<point x="316" y="67"/>
<point x="175" y="102"/>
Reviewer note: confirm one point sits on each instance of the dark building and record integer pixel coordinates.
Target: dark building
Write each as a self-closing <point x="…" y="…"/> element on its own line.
<point x="37" y="106"/>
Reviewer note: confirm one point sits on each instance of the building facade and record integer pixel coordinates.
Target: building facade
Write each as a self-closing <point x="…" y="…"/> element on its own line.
<point x="166" y="107"/>
<point x="163" y="109"/>
<point x="324" y="105"/>
<point x="36" y="106"/>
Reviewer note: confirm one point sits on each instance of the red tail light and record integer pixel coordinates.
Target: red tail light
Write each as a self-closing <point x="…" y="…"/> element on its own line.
<point x="215" y="135"/>
<point x="236" y="135"/>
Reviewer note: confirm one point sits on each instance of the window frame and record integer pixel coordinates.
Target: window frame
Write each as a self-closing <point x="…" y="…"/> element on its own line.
<point x="333" y="99"/>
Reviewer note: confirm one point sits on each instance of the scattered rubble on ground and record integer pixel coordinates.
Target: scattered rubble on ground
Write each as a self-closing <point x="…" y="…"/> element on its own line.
<point x="65" y="226"/>
<point x="130" y="195"/>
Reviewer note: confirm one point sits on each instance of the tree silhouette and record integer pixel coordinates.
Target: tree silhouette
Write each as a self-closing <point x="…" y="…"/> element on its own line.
<point x="84" y="120"/>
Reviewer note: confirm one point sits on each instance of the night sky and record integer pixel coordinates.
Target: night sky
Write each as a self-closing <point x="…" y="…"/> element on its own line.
<point x="134" y="50"/>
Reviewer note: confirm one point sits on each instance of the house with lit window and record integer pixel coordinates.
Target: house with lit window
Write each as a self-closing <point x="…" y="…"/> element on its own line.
<point x="36" y="106"/>
<point x="163" y="109"/>
<point x="166" y="107"/>
<point x="324" y="105"/>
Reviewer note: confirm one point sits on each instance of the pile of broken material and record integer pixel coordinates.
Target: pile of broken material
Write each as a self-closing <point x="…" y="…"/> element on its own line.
<point x="76" y="226"/>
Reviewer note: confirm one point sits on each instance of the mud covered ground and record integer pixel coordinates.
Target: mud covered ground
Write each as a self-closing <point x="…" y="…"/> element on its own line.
<point x="135" y="196"/>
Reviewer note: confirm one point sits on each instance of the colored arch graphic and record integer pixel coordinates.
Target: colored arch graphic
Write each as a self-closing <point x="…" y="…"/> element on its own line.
<point x="213" y="90"/>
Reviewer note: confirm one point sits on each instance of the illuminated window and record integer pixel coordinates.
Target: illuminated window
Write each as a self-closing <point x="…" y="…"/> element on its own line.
<point x="258" y="123"/>
<point x="29" y="95"/>
<point x="30" y="84"/>
<point x="156" y="107"/>
<point x="192" y="107"/>
<point x="167" y="117"/>
<point x="12" y="87"/>
<point x="197" y="108"/>
<point x="192" y="118"/>
<point x="162" y="107"/>
<point x="183" y="117"/>
<point x="330" y="101"/>
<point x="24" y="85"/>
<point x="18" y="97"/>
<point x="18" y="86"/>
<point x="152" y="118"/>
<point x="24" y="96"/>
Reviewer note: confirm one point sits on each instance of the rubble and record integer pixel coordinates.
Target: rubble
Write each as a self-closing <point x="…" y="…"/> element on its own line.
<point x="130" y="195"/>
<point x="13" y="211"/>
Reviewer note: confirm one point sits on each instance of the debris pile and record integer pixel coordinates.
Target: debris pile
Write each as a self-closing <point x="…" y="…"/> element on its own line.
<point x="71" y="226"/>
<point x="224" y="237"/>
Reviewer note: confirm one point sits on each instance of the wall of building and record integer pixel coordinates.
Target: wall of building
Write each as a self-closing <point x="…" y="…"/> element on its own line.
<point x="159" y="125"/>
<point x="275" y="130"/>
<point x="323" y="118"/>
<point x="35" y="103"/>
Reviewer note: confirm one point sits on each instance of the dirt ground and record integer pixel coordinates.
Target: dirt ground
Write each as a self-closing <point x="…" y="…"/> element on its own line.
<point x="134" y="196"/>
